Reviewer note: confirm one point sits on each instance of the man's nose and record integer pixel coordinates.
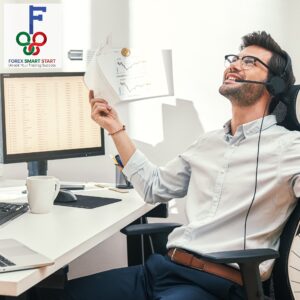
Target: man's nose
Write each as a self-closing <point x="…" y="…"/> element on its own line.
<point x="235" y="66"/>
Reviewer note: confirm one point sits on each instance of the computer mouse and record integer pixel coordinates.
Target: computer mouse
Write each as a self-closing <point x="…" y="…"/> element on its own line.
<point x="65" y="196"/>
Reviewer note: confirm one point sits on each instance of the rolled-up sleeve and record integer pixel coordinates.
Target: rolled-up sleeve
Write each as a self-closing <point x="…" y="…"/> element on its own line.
<point x="158" y="184"/>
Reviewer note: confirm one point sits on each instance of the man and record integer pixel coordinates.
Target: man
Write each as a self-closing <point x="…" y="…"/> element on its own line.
<point x="232" y="201"/>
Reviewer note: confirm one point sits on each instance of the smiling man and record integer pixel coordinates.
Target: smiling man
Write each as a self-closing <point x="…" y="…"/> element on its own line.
<point x="232" y="201"/>
<point x="248" y="65"/>
<point x="259" y="60"/>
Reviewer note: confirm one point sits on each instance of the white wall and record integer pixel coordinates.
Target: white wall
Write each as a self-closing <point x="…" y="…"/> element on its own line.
<point x="200" y="33"/>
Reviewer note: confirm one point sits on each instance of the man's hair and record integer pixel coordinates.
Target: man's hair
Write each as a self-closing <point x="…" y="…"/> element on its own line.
<point x="278" y="60"/>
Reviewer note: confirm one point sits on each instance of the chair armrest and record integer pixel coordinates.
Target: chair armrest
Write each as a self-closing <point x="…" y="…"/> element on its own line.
<point x="248" y="261"/>
<point x="149" y="228"/>
<point x="241" y="256"/>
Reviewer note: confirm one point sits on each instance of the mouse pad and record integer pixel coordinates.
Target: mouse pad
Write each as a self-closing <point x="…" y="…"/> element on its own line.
<point x="84" y="201"/>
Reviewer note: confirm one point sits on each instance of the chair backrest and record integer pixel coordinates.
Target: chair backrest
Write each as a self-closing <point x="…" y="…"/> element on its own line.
<point x="286" y="273"/>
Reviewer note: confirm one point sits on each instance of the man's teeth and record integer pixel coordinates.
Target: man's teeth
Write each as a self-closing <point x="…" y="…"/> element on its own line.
<point x="231" y="78"/>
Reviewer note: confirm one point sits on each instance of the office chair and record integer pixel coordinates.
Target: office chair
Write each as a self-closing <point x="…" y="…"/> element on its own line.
<point x="285" y="278"/>
<point x="286" y="273"/>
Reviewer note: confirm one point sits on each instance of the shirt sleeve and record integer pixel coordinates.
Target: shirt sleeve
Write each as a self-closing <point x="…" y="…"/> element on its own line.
<point x="158" y="184"/>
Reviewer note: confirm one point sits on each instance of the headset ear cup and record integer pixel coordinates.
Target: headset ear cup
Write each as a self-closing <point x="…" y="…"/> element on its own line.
<point x="276" y="85"/>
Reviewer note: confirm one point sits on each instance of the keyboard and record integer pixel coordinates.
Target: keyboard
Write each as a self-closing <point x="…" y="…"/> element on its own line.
<point x="9" y="211"/>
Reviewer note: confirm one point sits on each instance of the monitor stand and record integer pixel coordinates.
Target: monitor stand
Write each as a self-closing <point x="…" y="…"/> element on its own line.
<point x="38" y="167"/>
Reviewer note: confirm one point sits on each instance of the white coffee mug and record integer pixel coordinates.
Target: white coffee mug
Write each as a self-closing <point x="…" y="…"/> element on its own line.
<point x="41" y="192"/>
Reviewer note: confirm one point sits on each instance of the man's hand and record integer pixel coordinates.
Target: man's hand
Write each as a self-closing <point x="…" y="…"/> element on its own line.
<point x="104" y="115"/>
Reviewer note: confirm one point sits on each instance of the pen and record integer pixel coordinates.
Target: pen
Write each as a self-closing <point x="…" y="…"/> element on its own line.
<point x="114" y="160"/>
<point x="118" y="159"/>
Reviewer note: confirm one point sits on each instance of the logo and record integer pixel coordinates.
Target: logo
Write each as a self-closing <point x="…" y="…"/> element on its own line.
<point x="31" y="42"/>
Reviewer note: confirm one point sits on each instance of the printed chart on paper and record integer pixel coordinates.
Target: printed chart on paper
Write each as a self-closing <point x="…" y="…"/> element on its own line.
<point x="132" y="74"/>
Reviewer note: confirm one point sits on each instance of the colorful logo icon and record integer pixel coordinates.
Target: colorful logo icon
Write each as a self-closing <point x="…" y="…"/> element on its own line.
<point x="31" y="42"/>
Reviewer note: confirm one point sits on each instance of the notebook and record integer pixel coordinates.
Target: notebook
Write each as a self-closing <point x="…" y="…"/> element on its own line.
<point x="16" y="256"/>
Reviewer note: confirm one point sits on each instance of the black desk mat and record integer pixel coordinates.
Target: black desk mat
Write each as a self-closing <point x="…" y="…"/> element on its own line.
<point x="84" y="201"/>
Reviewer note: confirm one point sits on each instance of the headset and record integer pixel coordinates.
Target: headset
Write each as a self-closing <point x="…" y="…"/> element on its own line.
<point x="276" y="84"/>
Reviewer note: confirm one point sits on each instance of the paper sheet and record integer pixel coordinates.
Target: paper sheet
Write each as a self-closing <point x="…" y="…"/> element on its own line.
<point x="95" y="79"/>
<point x="129" y="74"/>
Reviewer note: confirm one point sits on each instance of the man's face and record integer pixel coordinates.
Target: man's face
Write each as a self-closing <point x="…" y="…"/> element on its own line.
<point x="246" y="94"/>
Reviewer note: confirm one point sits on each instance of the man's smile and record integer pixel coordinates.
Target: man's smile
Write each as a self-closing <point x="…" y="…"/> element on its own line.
<point x="231" y="78"/>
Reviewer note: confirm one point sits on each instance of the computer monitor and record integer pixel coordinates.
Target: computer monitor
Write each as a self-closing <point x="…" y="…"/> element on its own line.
<point x="46" y="116"/>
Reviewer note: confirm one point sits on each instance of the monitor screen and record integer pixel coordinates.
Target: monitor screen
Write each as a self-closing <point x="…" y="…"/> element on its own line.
<point x="47" y="116"/>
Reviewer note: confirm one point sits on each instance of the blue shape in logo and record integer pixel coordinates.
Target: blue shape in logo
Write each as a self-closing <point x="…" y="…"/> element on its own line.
<point x="33" y="17"/>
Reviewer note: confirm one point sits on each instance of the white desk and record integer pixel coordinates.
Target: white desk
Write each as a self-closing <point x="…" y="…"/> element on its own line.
<point x="66" y="233"/>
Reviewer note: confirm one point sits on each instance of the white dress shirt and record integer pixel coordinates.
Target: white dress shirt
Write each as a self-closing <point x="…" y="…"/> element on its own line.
<point x="217" y="176"/>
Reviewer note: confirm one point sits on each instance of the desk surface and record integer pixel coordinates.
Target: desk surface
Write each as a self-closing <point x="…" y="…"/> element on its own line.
<point x="66" y="233"/>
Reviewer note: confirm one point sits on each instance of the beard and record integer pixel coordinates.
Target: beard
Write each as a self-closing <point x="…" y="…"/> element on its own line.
<point x="245" y="94"/>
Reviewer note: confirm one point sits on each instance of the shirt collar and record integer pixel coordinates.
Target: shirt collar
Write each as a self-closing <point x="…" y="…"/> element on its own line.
<point x="252" y="127"/>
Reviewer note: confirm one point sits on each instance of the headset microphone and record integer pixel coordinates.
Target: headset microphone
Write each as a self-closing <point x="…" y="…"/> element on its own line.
<point x="251" y="81"/>
<point x="275" y="85"/>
